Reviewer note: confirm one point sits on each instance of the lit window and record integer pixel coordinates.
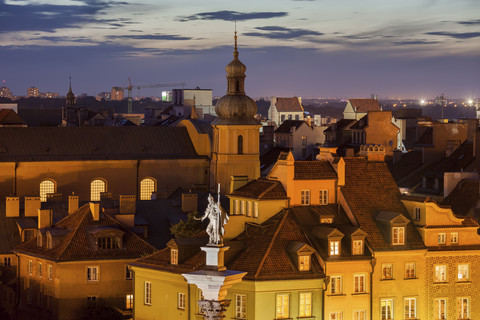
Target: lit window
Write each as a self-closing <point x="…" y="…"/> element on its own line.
<point x="236" y="206"/>
<point x="440" y="309"/>
<point x="92" y="273"/>
<point x="96" y="187"/>
<point x="334" y="248"/>
<point x="283" y="306"/>
<point x="305" y="304"/>
<point x="398" y="235"/>
<point x="359" y="283"/>
<point x="441" y="273"/>
<point x="39" y="269"/>
<point x="148" y="293"/>
<point x="463" y="272"/>
<point x="462" y="308"/>
<point x="46" y="187"/>
<point x="30" y="267"/>
<point x="147" y="186"/>
<point x="305" y="197"/>
<point x="174" y="256"/>
<point x="410" y="308"/>
<point x="50" y="272"/>
<point x="387" y="271"/>
<point x="242" y="207"/>
<point x="249" y="208"/>
<point x="417" y="214"/>
<point x="326" y="220"/>
<point x="304" y="263"/>
<point x="107" y="243"/>
<point x="336" y="284"/>
<point x="240" y="306"/>
<point x="386" y="308"/>
<point x="128" y="273"/>
<point x="410" y="270"/>
<point x="359" y="315"/>
<point x="357" y="247"/>
<point x="323" y="197"/>
<point x="454" y="237"/>
<point x="441" y="238"/>
<point x="255" y="209"/>
<point x="181" y="300"/>
<point x="337" y="315"/>
<point x="129" y="301"/>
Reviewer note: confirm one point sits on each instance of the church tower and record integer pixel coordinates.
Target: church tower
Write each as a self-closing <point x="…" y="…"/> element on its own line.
<point x="235" y="131"/>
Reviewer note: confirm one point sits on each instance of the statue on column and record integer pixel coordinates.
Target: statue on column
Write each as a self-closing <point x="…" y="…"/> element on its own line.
<point x="217" y="219"/>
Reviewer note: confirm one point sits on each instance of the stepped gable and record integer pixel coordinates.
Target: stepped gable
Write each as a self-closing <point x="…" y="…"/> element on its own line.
<point x="370" y="189"/>
<point x="261" y="189"/>
<point x="314" y="170"/>
<point x="76" y="243"/>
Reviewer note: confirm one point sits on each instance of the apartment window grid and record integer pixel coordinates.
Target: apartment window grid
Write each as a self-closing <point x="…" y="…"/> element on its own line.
<point x="357" y="247"/>
<point x="334" y="248"/>
<point x="410" y="308"/>
<point x="92" y="274"/>
<point x="129" y="301"/>
<point x="96" y="187"/>
<point x="442" y="238"/>
<point x="359" y="283"/>
<point x="147" y="186"/>
<point x="323" y="197"/>
<point x="410" y="270"/>
<point x="454" y="238"/>
<point x="463" y="308"/>
<point x="255" y="209"/>
<point x="398" y="235"/>
<point x="304" y="263"/>
<point x="440" y="309"/>
<point x="283" y="306"/>
<point x="46" y="187"/>
<point x="305" y="308"/>
<point x="305" y="197"/>
<point x="173" y="256"/>
<point x="417" y="214"/>
<point x="387" y="271"/>
<point x="50" y="272"/>
<point x="181" y="302"/>
<point x="148" y="293"/>
<point x="359" y="315"/>
<point x="39" y="269"/>
<point x="463" y="273"/>
<point x="386" y="306"/>
<point x="336" y="284"/>
<point x="440" y="273"/>
<point x="336" y="315"/>
<point x="240" y="306"/>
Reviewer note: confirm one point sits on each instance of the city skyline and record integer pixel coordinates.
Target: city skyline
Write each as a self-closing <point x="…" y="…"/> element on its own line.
<point x="303" y="48"/>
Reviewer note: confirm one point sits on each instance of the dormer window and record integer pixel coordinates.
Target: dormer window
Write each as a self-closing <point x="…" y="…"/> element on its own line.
<point x="357" y="247"/>
<point x="107" y="237"/>
<point x="304" y="263"/>
<point x="174" y="256"/>
<point x="107" y="243"/>
<point x="334" y="246"/>
<point x="39" y="239"/>
<point x="49" y="242"/>
<point x="398" y="235"/>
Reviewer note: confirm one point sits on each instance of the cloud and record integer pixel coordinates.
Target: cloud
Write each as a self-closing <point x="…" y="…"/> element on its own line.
<point x="414" y="42"/>
<point x="232" y="16"/>
<point x="275" y="32"/>
<point x="470" y="22"/>
<point x="150" y="37"/>
<point x="464" y="35"/>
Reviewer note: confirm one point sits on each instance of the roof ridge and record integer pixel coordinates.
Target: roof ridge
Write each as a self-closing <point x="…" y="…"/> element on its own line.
<point x="73" y="232"/>
<point x="273" y="185"/>
<point x="271" y="242"/>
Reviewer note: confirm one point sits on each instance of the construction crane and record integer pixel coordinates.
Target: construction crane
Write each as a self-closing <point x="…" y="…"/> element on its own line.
<point x="140" y="86"/>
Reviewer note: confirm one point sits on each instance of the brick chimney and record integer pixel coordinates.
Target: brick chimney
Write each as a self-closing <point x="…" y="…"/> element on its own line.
<point x="44" y="218"/>
<point x="12" y="206"/>
<point x="72" y="204"/>
<point x="95" y="209"/>
<point x="32" y="204"/>
<point x="127" y="203"/>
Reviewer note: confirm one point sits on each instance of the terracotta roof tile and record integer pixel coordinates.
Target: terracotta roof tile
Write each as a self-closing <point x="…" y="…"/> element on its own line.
<point x="288" y="105"/>
<point x="314" y="170"/>
<point x="287" y="125"/>
<point x="365" y="105"/>
<point x="261" y="189"/>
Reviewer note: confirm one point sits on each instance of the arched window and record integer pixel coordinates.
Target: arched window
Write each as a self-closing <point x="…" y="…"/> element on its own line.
<point x="240" y="144"/>
<point x="46" y="186"/>
<point x="237" y="86"/>
<point x="96" y="187"/>
<point x="147" y="186"/>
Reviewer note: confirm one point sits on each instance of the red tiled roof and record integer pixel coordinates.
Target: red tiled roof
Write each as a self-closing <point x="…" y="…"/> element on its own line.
<point x="288" y="105"/>
<point x="314" y="170"/>
<point x="10" y="117"/>
<point x="261" y="189"/>
<point x="78" y="244"/>
<point x="365" y="105"/>
<point x="369" y="189"/>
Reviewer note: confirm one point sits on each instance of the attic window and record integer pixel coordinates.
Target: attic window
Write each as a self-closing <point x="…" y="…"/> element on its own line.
<point x="334" y="246"/>
<point x="174" y="256"/>
<point x="304" y="263"/>
<point x="398" y="235"/>
<point x="326" y="220"/>
<point x="49" y="242"/>
<point x="357" y="247"/>
<point x="108" y="243"/>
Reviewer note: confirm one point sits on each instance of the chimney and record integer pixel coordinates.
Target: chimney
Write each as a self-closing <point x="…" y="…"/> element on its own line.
<point x="237" y="182"/>
<point x="44" y="218"/>
<point x="189" y="202"/>
<point x="127" y="219"/>
<point x="341" y="172"/>
<point x="72" y="204"/>
<point x="12" y="206"/>
<point x="95" y="209"/>
<point x="127" y="203"/>
<point x="32" y="204"/>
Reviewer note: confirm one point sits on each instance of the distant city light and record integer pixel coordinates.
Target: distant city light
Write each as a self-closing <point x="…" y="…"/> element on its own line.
<point x="422" y="102"/>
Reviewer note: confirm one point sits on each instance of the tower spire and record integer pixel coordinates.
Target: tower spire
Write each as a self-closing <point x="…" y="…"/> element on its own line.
<point x="235" y="37"/>
<point x="70" y="96"/>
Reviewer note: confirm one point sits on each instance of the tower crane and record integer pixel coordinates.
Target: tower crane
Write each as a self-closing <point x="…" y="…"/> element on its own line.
<point x="140" y="86"/>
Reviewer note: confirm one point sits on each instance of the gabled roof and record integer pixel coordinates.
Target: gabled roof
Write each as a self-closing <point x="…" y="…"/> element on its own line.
<point x="370" y="189"/>
<point x="261" y="189"/>
<point x="78" y="244"/>
<point x="313" y="170"/>
<point x="287" y="125"/>
<point x="288" y="105"/>
<point x="342" y="124"/>
<point x="8" y="117"/>
<point x="464" y="197"/>
<point x="365" y="105"/>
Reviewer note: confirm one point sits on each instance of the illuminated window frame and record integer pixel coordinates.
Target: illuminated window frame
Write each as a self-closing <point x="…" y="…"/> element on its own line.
<point x="398" y="235"/>
<point x="454" y="238"/>
<point x="359" y="283"/>
<point x="181" y="301"/>
<point x="323" y="197"/>
<point x="240" y="306"/>
<point x="463" y="308"/>
<point x="440" y="273"/>
<point x="357" y="247"/>
<point x="334" y="247"/>
<point x="305" y="304"/>
<point x="47" y="186"/>
<point x="410" y="308"/>
<point x="147" y="186"/>
<point x="336" y="283"/>
<point x="97" y="186"/>
<point x="304" y="263"/>
<point x="129" y="301"/>
<point x="148" y="293"/>
<point x="305" y="197"/>
<point x="410" y="272"/>
<point x="463" y="272"/>
<point x="386" y="309"/>
<point x="282" y="306"/>
<point x="440" y="309"/>
<point x="359" y="315"/>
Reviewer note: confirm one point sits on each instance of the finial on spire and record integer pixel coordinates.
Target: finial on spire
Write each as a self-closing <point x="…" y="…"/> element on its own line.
<point x="70" y="82"/>
<point x="235" y="37"/>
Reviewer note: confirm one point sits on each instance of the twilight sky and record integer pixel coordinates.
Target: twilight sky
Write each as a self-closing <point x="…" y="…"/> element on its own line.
<point x="329" y="48"/>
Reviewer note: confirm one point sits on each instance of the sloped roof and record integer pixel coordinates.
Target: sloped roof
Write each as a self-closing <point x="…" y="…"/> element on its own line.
<point x="464" y="197"/>
<point x="313" y="170"/>
<point x="342" y="124"/>
<point x="9" y="235"/>
<point x="288" y="105"/>
<point x="10" y="117"/>
<point x="261" y="189"/>
<point x="287" y="125"/>
<point x="369" y="189"/>
<point x="365" y="105"/>
<point x="78" y="244"/>
<point x="92" y="143"/>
